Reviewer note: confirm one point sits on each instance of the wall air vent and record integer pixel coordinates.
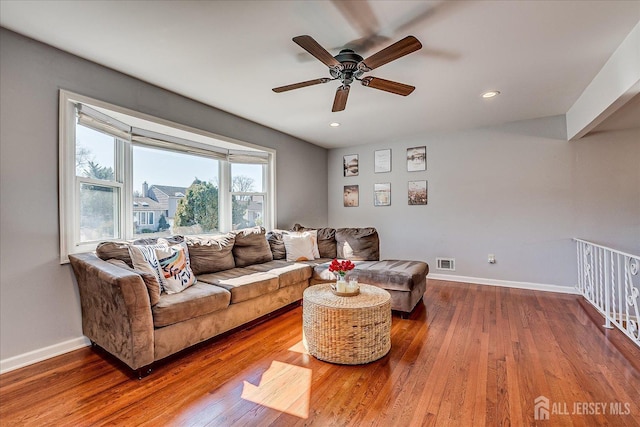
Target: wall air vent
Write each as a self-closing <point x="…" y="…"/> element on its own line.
<point x="446" y="264"/>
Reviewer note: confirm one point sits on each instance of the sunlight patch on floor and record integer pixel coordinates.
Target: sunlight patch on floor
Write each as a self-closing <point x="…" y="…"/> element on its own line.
<point x="283" y="387"/>
<point x="299" y="348"/>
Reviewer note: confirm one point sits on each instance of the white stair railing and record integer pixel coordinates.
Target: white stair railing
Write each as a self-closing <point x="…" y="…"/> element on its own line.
<point x="609" y="280"/>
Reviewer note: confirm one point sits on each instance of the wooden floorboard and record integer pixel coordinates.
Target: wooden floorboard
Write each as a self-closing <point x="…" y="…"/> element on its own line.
<point x="470" y="355"/>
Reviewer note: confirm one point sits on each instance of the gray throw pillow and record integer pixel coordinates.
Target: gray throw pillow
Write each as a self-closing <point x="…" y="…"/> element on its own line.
<point x="276" y="243"/>
<point x="251" y="247"/>
<point x="358" y="244"/>
<point x="210" y="254"/>
<point x="114" y="250"/>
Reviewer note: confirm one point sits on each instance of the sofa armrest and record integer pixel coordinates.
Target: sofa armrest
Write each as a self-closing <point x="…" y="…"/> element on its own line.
<point x="116" y="311"/>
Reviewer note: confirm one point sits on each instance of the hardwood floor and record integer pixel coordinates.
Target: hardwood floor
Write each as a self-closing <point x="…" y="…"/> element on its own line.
<point x="470" y="356"/>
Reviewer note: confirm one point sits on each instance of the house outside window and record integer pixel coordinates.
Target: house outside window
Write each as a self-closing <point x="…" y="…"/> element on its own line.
<point x="247" y="193"/>
<point x="125" y="175"/>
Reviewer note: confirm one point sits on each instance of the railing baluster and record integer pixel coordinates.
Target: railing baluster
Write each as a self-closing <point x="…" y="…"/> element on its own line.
<point x="599" y="281"/>
<point x="608" y="279"/>
<point x="620" y="293"/>
<point x="607" y="293"/>
<point x="612" y="285"/>
<point x="580" y="267"/>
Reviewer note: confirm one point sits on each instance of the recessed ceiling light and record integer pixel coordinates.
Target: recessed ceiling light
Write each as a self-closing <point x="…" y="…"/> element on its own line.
<point x="334" y="124"/>
<point x="490" y="94"/>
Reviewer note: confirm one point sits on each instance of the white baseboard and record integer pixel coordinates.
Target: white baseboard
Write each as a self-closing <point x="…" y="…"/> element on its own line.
<point x="507" y="283"/>
<point x="41" y="354"/>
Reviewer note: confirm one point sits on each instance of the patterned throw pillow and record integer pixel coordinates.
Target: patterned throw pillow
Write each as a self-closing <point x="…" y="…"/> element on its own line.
<point x="144" y="259"/>
<point x="175" y="268"/>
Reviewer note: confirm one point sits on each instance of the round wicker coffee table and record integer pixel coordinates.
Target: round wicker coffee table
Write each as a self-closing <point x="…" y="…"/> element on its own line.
<point x="348" y="330"/>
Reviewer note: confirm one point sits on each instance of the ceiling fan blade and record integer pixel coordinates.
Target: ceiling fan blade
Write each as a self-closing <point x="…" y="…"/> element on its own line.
<point x="417" y="17"/>
<point x="301" y="84"/>
<point x="340" y="101"/>
<point x="397" y="50"/>
<point x="312" y="46"/>
<point x="359" y="15"/>
<point x="388" y="85"/>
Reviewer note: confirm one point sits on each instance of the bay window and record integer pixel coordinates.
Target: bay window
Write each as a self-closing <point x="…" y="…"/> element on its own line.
<point x="125" y="175"/>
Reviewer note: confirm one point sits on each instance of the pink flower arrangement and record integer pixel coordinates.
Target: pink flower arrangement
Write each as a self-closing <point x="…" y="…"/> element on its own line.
<point x="341" y="267"/>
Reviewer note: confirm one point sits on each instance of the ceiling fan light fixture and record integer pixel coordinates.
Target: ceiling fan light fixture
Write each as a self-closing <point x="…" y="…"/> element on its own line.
<point x="334" y="124"/>
<point x="490" y="94"/>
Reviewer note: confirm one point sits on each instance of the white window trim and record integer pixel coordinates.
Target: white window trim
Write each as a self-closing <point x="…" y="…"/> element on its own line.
<point x="124" y="174"/>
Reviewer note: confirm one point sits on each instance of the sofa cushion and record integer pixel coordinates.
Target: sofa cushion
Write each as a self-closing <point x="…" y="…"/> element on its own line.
<point x="358" y="244"/>
<point x="251" y="247"/>
<point x="170" y="240"/>
<point x="210" y="254"/>
<point x="288" y="273"/>
<point x="276" y="243"/>
<point x="326" y="240"/>
<point x="120" y="249"/>
<point x="327" y="243"/>
<point x="394" y="275"/>
<point x="196" y="300"/>
<point x="243" y="283"/>
<point x="321" y="271"/>
<point x="314" y="262"/>
<point x="114" y="250"/>
<point x="150" y="280"/>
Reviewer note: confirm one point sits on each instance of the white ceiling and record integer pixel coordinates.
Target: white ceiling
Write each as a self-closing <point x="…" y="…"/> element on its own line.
<point x="229" y="54"/>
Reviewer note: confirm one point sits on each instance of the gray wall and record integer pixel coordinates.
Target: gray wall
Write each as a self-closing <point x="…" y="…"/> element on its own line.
<point x="39" y="304"/>
<point x="519" y="191"/>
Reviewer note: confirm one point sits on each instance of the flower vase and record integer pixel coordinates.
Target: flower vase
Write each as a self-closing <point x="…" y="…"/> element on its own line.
<point x="341" y="284"/>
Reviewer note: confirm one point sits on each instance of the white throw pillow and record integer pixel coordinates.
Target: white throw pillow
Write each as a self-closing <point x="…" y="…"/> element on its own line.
<point x="175" y="267"/>
<point x="314" y="237"/>
<point x="299" y="246"/>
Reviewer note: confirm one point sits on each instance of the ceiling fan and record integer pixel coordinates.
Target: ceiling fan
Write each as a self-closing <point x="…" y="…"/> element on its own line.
<point x="348" y="66"/>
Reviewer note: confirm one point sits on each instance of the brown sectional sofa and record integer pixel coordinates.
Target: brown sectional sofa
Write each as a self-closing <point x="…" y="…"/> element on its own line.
<point x="241" y="276"/>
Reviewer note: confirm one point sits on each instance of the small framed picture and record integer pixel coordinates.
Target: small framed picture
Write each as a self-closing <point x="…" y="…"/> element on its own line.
<point x="382" y="161"/>
<point x="416" y="159"/>
<point x="382" y="194"/>
<point x="350" y="163"/>
<point x="417" y="192"/>
<point x="351" y="196"/>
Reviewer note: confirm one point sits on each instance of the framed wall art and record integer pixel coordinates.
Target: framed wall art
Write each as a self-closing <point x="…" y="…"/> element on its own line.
<point x="416" y="159"/>
<point x="417" y="192"/>
<point x="350" y="164"/>
<point x="382" y="194"/>
<point x="382" y="161"/>
<point x="351" y="196"/>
